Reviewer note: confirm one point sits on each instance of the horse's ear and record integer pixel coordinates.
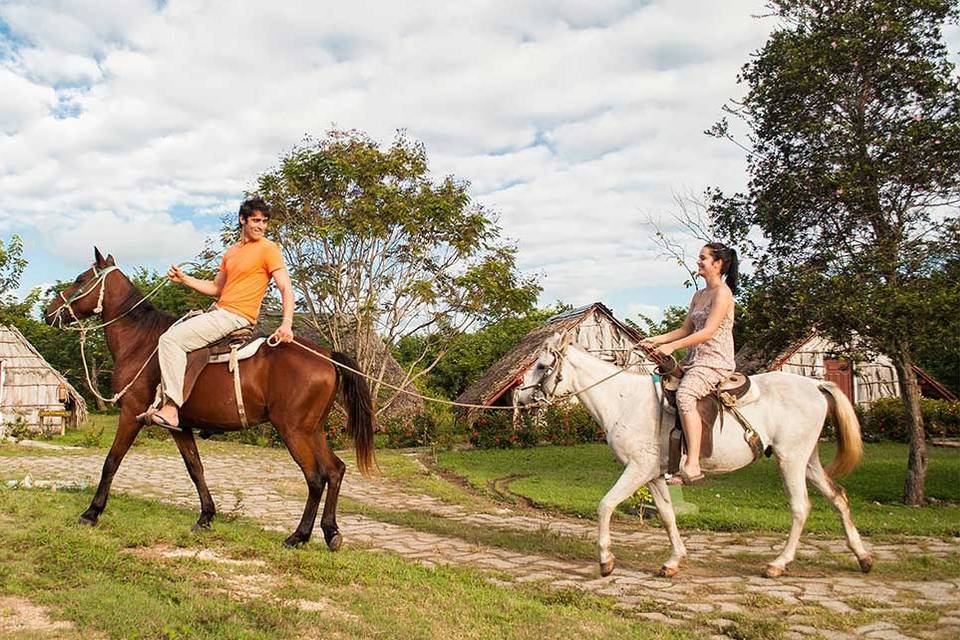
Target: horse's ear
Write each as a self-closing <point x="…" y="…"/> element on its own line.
<point x="110" y="261"/>
<point x="98" y="257"/>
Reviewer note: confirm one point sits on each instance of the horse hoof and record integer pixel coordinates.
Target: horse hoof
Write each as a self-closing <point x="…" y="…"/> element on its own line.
<point x="866" y="563"/>
<point x="87" y="520"/>
<point x="200" y="526"/>
<point x="668" y="572"/>
<point x="335" y="542"/>
<point x="606" y="568"/>
<point x="773" y="571"/>
<point x="294" y="541"/>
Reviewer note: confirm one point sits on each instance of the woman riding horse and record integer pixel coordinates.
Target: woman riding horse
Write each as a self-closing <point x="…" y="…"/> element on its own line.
<point x="708" y="332"/>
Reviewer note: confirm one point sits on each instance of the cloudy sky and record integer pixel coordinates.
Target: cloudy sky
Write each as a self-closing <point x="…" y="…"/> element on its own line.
<point x="136" y="124"/>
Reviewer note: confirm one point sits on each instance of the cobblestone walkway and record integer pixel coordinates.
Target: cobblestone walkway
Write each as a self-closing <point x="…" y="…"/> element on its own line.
<point x="260" y="487"/>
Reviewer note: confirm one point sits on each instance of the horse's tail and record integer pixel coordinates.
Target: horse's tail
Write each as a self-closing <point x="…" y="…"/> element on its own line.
<point x="849" y="443"/>
<point x="360" y="416"/>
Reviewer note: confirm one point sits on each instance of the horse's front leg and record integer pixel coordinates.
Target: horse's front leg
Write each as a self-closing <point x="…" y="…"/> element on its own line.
<point x="634" y="475"/>
<point x="127" y="430"/>
<point x="661" y="497"/>
<point x="187" y="445"/>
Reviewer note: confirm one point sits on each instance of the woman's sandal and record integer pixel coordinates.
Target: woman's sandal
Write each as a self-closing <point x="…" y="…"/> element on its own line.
<point x="683" y="478"/>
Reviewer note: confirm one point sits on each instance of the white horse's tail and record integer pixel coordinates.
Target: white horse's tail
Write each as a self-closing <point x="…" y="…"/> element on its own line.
<point x="849" y="443"/>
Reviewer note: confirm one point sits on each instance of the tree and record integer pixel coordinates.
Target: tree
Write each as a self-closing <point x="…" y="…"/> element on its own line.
<point x="853" y="113"/>
<point x="379" y="251"/>
<point x="12" y="264"/>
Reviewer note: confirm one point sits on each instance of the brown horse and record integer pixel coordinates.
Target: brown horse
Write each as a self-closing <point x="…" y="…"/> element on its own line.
<point x="285" y="385"/>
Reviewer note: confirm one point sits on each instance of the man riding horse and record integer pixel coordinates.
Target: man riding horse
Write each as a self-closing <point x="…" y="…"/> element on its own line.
<point x="241" y="283"/>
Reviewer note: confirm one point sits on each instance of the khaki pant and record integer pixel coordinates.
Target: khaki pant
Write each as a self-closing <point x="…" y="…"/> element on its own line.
<point x="189" y="335"/>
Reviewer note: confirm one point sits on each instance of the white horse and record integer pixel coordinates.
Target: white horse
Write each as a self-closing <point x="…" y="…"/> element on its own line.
<point x="788" y="414"/>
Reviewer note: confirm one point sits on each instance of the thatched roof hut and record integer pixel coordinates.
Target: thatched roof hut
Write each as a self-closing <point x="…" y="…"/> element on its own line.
<point x="32" y="391"/>
<point x="594" y="328"/>
<point x="864" y="381"/>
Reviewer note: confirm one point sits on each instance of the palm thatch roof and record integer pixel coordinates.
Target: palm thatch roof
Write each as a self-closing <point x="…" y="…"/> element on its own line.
<point x="506" y="373"/>
<point x="31" y="386"/>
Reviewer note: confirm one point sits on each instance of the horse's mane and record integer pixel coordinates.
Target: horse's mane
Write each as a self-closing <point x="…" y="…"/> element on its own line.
<point x="145" y="313"/>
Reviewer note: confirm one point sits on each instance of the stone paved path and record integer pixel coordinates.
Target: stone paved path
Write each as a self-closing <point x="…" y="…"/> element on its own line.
<point x="260" y="485"/>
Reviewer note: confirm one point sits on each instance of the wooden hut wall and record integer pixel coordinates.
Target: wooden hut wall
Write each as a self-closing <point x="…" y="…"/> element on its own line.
<point x="32" y="388"/>
<point x="872" y="380"/>
<point x="599" y="335"/>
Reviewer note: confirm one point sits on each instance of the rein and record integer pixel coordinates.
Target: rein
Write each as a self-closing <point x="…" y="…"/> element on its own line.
<point x="83" y="329"/>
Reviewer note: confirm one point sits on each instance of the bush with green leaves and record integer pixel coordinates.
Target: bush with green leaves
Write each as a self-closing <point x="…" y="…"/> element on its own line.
<point x="886" y="419"/>
<point x="496" y="430"/>
<point x="569" y="424"/>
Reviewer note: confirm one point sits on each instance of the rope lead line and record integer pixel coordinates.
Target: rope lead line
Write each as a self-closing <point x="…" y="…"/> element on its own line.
<point x="272" y="341"/>
<point x="451" y="403"/>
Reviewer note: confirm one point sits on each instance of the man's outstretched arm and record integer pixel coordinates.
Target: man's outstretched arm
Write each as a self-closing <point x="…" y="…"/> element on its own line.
<point x="206" y="287"/>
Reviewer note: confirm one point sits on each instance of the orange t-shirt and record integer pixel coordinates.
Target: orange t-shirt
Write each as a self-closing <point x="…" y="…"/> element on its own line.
<point x="248" y="266"/>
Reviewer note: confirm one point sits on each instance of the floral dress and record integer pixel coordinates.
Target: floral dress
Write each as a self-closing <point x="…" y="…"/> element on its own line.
<point x="707" y="363"/>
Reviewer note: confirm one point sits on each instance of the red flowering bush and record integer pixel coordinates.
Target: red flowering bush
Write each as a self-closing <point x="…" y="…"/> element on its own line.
<point x="886" y="419"/>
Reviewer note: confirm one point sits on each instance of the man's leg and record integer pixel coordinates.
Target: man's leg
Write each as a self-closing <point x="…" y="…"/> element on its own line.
<point x="174" y="345"/>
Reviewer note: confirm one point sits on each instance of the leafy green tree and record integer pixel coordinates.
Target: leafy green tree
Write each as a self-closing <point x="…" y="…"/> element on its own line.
<point x="853" y="111"/>
<point x="379" y="251"/>
<point x="12" y="264"/>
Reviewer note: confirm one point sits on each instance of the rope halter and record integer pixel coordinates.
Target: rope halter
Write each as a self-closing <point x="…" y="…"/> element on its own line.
<point x="97" y="283"/>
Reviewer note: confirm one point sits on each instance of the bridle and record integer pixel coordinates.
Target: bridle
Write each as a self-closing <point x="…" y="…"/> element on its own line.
<point x="99" y="280"/>
<point x="540" y="394"/>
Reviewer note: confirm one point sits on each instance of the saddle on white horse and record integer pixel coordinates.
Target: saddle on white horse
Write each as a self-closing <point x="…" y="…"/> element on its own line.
<point x="732" y="393"/>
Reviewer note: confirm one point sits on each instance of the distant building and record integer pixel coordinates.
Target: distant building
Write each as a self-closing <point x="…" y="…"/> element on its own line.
<point x="864" y="382"/>
<point x="32" y="391"/>
<point x="594" y="328"/>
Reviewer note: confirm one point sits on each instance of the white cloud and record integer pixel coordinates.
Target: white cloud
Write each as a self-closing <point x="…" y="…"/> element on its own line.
<point x="132" y="240"/>
<point x="571" y="119"/>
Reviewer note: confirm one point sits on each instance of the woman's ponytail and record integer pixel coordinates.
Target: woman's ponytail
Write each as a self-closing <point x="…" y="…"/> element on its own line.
<point x="731" y="263"/>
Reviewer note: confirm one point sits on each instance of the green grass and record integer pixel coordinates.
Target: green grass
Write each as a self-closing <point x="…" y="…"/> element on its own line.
<point x="111" y="581"/>
<point x="574" y="479"/>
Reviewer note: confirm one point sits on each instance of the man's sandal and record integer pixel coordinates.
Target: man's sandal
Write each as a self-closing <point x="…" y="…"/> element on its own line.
<point x="160" y="421"/>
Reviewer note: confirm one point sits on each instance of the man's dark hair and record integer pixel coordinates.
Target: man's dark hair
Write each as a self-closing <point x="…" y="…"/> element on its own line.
<point x="252" y="205"/>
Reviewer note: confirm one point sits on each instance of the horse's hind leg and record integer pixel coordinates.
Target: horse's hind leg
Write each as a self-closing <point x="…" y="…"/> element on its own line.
<point x="661" y="497"/>
<point x="795" y="483"/>
<point x="836" y="495"/>
<point x="333" y="470"/>
<point x="127" y="430"/>
<point x="634" y="475"/>
<point x="300" y="445"/>
<point x="187" y="445"/>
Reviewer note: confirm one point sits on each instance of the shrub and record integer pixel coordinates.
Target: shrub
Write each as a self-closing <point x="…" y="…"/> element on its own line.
<point x="569" y="424"/>
<point x="886" y="419"/>
<point x="408" y="431"/>
<point x="495" y="430"/>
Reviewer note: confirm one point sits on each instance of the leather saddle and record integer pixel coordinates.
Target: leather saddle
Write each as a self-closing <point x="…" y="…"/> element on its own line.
<point x="733" y="391"/>
<point x="242" y="342"/>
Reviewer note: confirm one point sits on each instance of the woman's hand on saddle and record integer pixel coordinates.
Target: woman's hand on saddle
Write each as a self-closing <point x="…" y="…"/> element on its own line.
<point x="284" y="332"/>
<point x="175" y="275"/>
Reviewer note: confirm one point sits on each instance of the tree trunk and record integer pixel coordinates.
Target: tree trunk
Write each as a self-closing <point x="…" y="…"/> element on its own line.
<point x="913" y="488"/>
